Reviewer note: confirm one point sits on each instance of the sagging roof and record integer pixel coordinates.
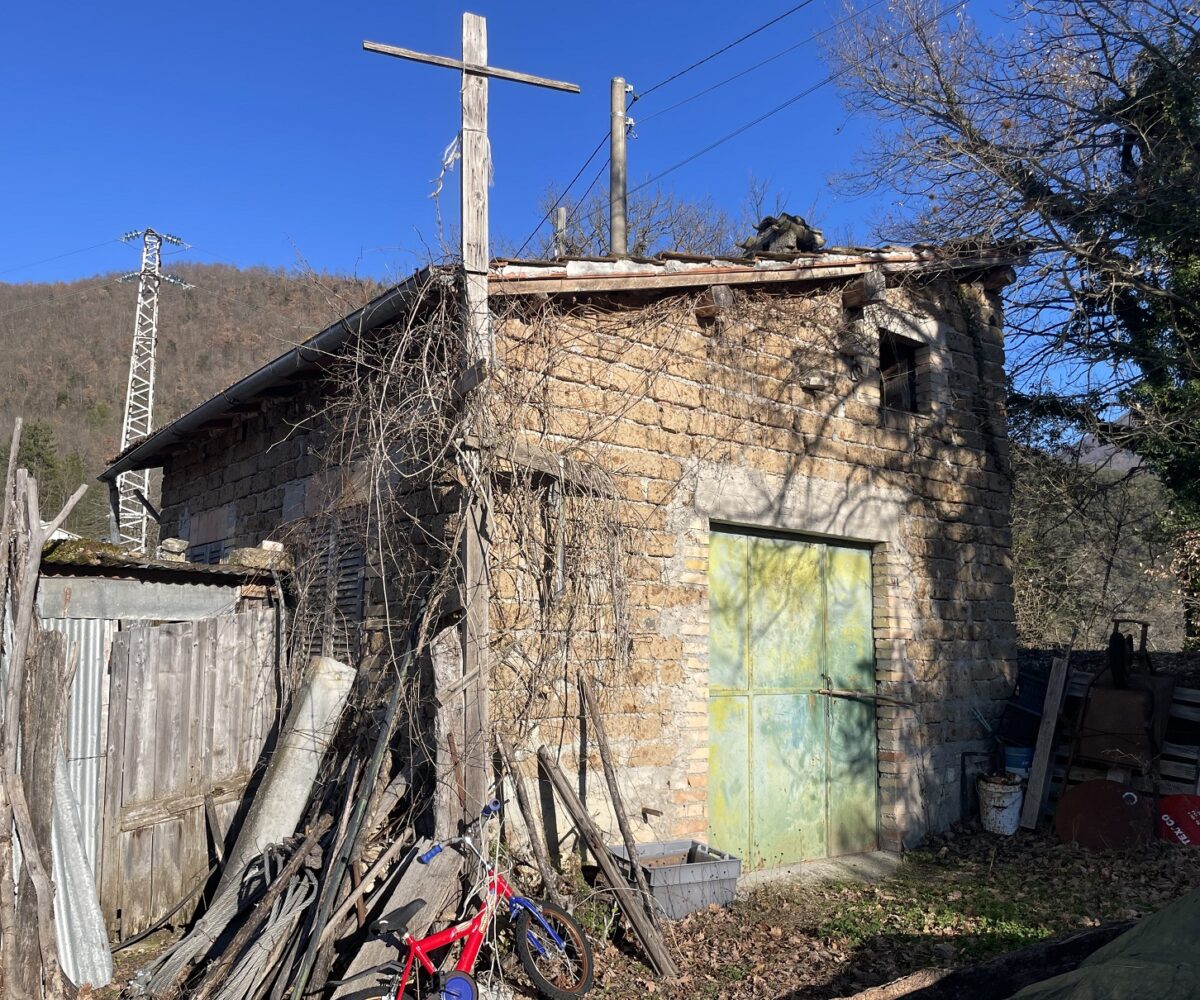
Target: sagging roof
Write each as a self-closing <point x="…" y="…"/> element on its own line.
<point x="88" y="557"/>
<point x="576" y="275"/>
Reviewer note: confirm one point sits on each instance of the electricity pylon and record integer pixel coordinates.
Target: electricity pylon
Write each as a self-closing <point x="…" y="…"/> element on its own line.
<point x="133" y="487"/>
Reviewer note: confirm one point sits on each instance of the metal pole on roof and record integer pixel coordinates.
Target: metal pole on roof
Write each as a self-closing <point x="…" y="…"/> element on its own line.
<point x="617" y="208"/>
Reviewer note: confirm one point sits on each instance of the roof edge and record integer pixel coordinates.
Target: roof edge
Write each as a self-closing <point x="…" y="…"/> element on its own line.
<point x="383" y="309"/>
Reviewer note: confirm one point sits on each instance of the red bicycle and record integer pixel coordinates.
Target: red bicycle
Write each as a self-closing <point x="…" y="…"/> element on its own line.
<point x="550" y="944"/>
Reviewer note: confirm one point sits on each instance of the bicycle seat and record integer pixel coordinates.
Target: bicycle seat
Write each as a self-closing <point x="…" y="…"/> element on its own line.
<point x="397" y="921"/>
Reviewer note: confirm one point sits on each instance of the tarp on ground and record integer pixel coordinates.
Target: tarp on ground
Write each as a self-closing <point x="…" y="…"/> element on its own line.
<point x="1158" y="958"/>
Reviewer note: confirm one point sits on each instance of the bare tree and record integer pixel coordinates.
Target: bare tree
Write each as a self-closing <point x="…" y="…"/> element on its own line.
<point x="1072" y="138"/>
<point x="1044" y="139"/>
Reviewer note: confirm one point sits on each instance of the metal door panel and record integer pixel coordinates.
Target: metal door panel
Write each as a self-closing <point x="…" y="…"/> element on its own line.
<point x="792" y="771"/>
<point x="788" y="766"/>
<point x="727" y="592"/>
<point x="786" y="614"/>
<point x="850" y="645"/>
<point x="853" y="778"/>
<point x="729" y="774"/>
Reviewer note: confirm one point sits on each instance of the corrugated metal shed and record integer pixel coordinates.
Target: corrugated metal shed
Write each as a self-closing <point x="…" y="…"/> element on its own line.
<point x="87" y="722"/>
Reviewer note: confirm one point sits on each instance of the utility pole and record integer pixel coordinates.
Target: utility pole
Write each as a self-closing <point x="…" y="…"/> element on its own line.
<point x="475" y="74"/>
<point x="618" y="237"/>
<point x="133" y="488"/>
<point x="560" y="231"/>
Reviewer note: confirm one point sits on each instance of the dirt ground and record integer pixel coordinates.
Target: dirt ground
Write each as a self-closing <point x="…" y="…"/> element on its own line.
<point x="965" y="897"/>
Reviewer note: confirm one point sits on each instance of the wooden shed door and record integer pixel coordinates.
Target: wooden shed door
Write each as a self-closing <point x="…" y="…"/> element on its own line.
<point x="792" y="761"/>
<point x="190" y="706"/>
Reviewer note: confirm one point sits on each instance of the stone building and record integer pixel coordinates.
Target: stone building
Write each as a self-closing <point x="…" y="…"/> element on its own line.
<point x="809" y="455"/>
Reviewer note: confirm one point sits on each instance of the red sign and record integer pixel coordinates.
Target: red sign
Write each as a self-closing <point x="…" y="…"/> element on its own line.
<point x="1179" y="819"/>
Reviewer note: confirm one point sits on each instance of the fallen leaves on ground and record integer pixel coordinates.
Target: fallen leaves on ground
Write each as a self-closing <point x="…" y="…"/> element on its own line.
<point x="965" y="897"/>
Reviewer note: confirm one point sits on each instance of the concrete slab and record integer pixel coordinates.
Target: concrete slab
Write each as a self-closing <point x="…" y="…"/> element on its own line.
<point x="872" y="867"/>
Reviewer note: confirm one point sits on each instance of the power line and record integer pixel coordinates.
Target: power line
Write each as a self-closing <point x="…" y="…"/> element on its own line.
<point x="662" y="83"/>
<point x="69" y="253"/>
<point x="778" y="108"/>
<point x="558" y="201"/>
<point x="724" y="48"/>
<point x="758" y="65"/>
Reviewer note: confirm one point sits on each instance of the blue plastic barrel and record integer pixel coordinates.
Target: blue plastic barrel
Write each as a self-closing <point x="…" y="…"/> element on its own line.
<point x="1018" y="760"/>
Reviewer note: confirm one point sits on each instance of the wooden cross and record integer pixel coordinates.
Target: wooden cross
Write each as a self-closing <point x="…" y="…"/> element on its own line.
<point x="480" y="357"/>
<point x="474" y="176"/>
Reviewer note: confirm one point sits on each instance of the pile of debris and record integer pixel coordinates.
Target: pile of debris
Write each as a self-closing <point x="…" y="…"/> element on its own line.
<point x="291" y="911"/>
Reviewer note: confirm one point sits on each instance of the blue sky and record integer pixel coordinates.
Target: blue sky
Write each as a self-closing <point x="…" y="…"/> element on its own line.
<point x="263" y="134"/>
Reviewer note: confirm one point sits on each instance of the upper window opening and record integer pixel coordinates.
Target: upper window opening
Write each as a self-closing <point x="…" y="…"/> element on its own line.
<point x="900" y="362"/>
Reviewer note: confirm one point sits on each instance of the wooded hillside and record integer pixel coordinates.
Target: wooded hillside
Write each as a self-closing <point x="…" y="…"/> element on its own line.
<point x="65" y="350"/>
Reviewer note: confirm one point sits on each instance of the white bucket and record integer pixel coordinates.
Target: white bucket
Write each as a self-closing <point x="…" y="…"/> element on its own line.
<point x="1000" y="804"/>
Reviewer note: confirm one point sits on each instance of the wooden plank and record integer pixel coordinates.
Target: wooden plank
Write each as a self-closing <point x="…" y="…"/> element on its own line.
<point x="657" y="277"/>
<point x="524" y="806"/>
<point x="227" y="790"/>
<point x="652" y="942"/>
<point x="114" y="777"/>
<point x="194" y="861"/>
<point x="170" y="672"/>
<point x="166" y="873"/>
<point x="864" y="291"/>
<point x="227" y="707"/>
<point x="434" y="883"/>
<point x="614" y="793"/>
<point x="467" y="66"/>
<point x="143" y="706"/>
<point x="1035" y="789"/>
<point x="137" y="867"/>
<point x="445" y="654"/>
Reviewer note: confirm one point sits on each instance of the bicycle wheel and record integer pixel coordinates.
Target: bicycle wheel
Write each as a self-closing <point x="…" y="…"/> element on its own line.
<point x="558" y="973"/>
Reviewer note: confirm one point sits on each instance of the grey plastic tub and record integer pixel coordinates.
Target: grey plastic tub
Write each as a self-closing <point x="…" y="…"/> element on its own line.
<point x="684" y="875"/>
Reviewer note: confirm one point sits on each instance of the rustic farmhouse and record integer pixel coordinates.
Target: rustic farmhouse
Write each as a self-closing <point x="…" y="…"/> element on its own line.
<point x="762" y="502"/>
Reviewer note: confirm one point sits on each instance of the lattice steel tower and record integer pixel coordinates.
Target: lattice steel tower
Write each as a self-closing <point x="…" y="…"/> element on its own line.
<point x="133" y="487"/>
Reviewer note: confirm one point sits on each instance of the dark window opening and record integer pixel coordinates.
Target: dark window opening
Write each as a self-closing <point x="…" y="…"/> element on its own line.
<point x="899" y="361"/>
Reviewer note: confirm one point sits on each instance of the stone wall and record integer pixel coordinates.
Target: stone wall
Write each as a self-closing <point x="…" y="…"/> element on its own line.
<point x="242" y="484"/>
<point x="762" y="419"/>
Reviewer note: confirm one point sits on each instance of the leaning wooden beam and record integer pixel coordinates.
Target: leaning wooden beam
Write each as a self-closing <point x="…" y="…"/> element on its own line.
<point x="435" y="883"/>
<point x="614" y="792"/>
<point x="531" y="827"/>
<point x="33" y="969"/>
<point x="43" y="712"/>
<point x="522" y="455"/>
<point x="652" y="942"/>
<point x="1039" y="771"/>
<point x="8" y="897"/>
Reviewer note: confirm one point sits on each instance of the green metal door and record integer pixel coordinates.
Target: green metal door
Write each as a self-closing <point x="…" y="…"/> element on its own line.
<point x="792" y="764"/>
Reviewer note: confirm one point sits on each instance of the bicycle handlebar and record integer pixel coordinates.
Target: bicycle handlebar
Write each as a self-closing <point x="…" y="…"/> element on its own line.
<point x="488" y="811"/>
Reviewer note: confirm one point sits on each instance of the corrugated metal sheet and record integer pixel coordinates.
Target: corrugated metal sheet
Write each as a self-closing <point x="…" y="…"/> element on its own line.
<point x="87" y="722"/>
